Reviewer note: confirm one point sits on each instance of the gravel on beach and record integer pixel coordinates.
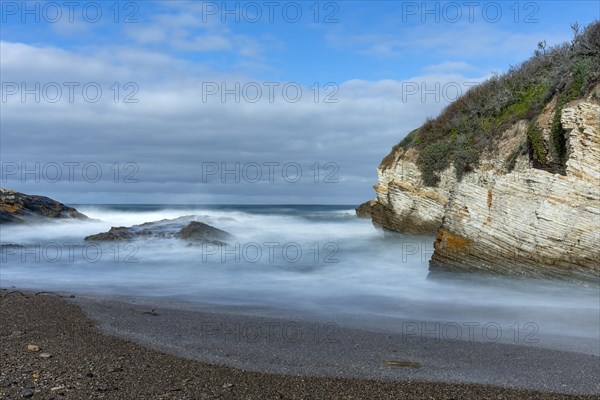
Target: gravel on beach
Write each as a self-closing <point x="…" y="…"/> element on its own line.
<point x="51" y="350"/>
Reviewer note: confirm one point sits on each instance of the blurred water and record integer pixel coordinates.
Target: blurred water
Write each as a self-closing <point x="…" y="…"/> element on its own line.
<point x="313" y="258"/>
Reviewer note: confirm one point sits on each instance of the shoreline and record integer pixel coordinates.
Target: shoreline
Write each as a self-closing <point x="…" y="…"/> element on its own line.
<point x="165" y="344"/>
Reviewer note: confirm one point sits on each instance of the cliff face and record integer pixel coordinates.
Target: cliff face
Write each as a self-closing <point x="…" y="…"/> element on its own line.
<point x="532" y="222"/>
<point x="508" y="214"/>
<point x="403" y="203"/>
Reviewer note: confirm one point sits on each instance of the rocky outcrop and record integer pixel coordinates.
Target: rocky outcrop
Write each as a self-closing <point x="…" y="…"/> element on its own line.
<point x="403" y="203"/>
<point x="515" y="219"/>
<point x="531" y="222"/>
<point x="364" y="210"/>
<point x="117" y="233"/>
<point x="507" y="177"/>
<point x="200" y="232"/>
<point x="183" y="227"/>
<point x="17" y="207"/>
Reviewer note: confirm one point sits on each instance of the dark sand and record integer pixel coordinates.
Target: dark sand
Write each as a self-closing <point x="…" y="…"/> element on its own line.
<point x="87" y="363"/>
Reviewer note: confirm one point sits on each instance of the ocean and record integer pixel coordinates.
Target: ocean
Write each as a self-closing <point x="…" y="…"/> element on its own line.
<point x="295" y="259"/>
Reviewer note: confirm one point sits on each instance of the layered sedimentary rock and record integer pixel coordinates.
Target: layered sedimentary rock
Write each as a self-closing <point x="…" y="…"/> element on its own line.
<point x="403" y="203"/>
<point x="17" y="207"/>
<point x="518" y="219"/>
<point x="532" y="222"/>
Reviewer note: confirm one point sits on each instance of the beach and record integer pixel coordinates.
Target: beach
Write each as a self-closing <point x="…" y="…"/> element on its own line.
<point x="300" y="200"/>
<point x="77" y="357"/>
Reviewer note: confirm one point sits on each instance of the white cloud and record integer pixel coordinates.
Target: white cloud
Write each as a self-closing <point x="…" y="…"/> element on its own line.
<point x="185" y="30"/>
<point x="172" y="130"/>
<point x="459" y="41"/>
<point x="449" y="67"/>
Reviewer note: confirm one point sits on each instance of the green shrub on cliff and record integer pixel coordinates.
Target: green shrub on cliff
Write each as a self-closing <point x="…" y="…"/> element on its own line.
<point x="434" y="158"/>
<point x="474" y="121"/>
<point x="438" y="156"/>
<point x="408" y="139"/>
<point x="582" y="71"/>
<point x="534" y="134"/>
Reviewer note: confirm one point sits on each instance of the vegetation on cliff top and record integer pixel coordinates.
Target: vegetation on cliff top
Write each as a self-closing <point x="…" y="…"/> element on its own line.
<point x="474" y="121"/>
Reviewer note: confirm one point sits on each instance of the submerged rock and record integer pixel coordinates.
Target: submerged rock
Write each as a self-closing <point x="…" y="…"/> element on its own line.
<point x="18" y="208"/>
<point x="183" y="228"/>
<point x="11" y="246"/>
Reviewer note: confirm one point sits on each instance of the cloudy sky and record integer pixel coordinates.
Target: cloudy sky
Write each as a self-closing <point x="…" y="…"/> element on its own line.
<point x="240" y="102"/>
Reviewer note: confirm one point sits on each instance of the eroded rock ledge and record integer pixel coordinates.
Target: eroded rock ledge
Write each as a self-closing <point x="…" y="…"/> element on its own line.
<point x="518" y="219"/>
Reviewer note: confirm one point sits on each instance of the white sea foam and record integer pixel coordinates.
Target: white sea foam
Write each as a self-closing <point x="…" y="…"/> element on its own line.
<point x="346" y="266"/>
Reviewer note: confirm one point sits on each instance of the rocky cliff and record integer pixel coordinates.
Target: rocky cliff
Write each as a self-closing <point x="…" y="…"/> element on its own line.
<point x="524" y="221"/>
<point x="530" y="221"/>
<point x="524" y="200"/>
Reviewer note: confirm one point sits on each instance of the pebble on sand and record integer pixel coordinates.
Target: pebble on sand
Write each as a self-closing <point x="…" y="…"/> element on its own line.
<point x="33" y="348"/>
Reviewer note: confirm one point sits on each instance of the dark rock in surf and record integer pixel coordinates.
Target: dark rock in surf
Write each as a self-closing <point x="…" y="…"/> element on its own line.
<point x="18" y="208"/>
<point x="201" y="232"/>
<point x="115" y="233"/>
<point x="183" y="228"/>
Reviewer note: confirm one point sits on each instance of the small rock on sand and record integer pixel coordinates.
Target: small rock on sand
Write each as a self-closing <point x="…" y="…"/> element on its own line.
<point x="33" y="348"/>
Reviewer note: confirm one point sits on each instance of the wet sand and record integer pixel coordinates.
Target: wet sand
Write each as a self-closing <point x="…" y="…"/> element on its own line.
<point x="116" y="349"/>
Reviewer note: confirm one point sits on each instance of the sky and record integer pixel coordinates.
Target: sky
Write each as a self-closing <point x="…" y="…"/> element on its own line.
<point x="266" y="102"/>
